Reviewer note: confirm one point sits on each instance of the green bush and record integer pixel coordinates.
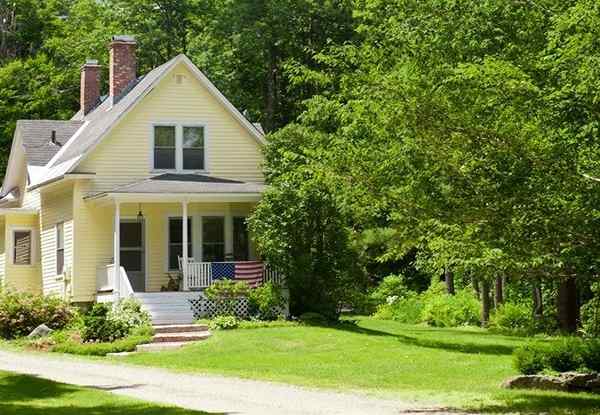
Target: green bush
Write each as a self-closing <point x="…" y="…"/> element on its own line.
<point x="405" y="310"/>
<point x="565" y="355"/>
<point x="225" y="294"/>
<point x="511" y="317"/>
<point x="530" y="358"/>
<point x="390" y="289"/>
<point x="223" y="323"/>
<point x="20" y="313"/>
<point x="106" y="323"/>
<point x="590" y="314"/>
<point x="127" y="344"/>
<point x="444" y="310"/>
<point x="266" y="301"/>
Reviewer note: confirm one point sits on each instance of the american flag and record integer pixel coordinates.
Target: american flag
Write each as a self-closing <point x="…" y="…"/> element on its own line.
<point x="250" y="272"/>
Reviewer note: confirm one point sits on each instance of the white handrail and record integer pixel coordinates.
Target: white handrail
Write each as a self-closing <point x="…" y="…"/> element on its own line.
<point x="126" y="290"/>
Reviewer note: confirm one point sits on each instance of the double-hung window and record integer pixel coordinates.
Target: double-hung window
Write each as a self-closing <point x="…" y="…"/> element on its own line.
<point x="213" y="238"/>
<point x="179" y="147"/>
<point x="176" y="241"/>
<point x="22" y="247"/>
<point x="60" y="248"/>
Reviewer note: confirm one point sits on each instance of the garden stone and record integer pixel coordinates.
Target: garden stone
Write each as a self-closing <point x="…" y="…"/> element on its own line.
<point x="40" y="331"/>
<point x="535" y="382"/>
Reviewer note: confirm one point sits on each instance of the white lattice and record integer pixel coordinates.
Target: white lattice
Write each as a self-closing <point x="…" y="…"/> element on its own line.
<point x="202" y="307"/>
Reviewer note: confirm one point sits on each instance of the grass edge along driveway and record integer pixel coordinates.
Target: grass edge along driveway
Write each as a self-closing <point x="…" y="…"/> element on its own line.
<point x="460" y="367"/>
<point x="30" y="395"/>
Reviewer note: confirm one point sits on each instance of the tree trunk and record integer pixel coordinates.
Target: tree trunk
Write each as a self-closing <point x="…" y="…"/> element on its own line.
<point x="485" y="302"/>
<point x="538" y="300"/>
<point x="499" y="291"/>
<point x="271" y="92"/>
<point x="449" y="278"/>
<point x="476" y="287"/>
<point x="568" y="309"/>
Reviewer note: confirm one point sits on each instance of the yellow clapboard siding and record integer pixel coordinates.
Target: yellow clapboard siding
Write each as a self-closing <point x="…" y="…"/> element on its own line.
<point x="124" y="156"/>
<point x="56" y="207"/>
<point x="22" y="277"/>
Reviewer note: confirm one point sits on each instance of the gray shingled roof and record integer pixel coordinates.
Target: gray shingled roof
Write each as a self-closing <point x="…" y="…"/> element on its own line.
<point x="37" y="134"/>
<point x="103" y="117"/>
<point x="187" y="183"/>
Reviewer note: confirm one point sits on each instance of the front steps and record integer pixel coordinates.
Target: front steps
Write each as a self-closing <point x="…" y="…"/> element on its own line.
<point x="168" y="307"/>
<point x="174" y="336"/>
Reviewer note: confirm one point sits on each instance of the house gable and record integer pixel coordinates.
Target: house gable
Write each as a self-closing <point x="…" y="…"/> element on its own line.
<point x="125" y="154"/>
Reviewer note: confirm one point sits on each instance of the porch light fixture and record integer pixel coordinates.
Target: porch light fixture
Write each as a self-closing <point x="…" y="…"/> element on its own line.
<point x="140" y="215"/>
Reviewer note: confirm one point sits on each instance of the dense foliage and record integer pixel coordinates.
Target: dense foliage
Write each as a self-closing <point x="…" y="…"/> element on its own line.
<point x="266" y="302"/>
<point x="20" y="313"/>
<point x="106" y="322"/>
<point x="563" y="355"/>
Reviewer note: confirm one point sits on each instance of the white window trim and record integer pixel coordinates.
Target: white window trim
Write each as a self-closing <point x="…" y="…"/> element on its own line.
<point x="179" y="146"/>
<point x="34" y="244"/>
<point x="56" y="248"/>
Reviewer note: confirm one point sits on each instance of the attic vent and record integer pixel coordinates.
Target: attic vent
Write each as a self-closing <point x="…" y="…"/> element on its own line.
<point x="179" y="78"/>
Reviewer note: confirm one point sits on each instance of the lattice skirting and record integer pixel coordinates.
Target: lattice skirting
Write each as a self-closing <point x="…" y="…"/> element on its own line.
<point x="202" y="307"/>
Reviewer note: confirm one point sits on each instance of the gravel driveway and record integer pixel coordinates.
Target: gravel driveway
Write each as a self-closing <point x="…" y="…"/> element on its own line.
<point x="201" y="392"/>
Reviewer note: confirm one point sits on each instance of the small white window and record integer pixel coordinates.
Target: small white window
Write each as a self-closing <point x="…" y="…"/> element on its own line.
<point x="164" y="147"/>
<point x="60" y="248"/>
<point x="22" y="247"/>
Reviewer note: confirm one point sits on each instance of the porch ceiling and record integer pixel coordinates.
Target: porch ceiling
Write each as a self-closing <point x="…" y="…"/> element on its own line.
<point x="170" y="186"/>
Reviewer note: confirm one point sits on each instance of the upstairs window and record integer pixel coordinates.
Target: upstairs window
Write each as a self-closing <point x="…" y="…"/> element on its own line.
<point x="22" y="247"/>
<point x="193" y="148"/>
<point x="164" y="147"/>
<point x="179" y="148"/>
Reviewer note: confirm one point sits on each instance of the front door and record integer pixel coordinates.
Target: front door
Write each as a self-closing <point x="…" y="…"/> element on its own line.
<point x="133" y="254"/>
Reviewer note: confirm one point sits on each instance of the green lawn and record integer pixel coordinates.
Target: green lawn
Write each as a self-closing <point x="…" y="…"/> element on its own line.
<point x="28" y="395"/>
<point x="459" y="368"/>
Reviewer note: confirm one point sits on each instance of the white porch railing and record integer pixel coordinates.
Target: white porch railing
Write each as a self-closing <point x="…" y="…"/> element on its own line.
<point x="106" y="282"/>
<point x="199" y="274"/>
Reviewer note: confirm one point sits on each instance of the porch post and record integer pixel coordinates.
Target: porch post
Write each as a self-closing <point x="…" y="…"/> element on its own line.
<point x="117" y="251"/>
<point x="184" y="221"/>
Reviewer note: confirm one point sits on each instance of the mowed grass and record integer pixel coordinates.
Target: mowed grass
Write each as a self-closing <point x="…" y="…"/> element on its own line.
<point x="28" y="395"/>
<point x="459" y="368"/>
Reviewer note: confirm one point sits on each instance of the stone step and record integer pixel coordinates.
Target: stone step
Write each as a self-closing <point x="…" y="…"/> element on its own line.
<point x="180" y="337"/>
<point x="156" y="347"/>
<point x="179" y="328"/>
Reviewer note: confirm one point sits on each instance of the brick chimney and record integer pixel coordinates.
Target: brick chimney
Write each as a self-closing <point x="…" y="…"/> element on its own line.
<point x="90" y="86"/>
<point x="122" y="67"/>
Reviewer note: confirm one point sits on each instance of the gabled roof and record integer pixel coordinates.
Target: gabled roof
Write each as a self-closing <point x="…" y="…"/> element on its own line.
<point x="171" y="183"/>
<point x="37" y="135"/>
<point x="108" y="114"/>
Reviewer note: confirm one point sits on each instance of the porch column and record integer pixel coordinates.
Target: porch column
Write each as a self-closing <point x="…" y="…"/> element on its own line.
<point x="184" y="221"/>
<point x="228" y="231"/>
<point x="117" y="251"/>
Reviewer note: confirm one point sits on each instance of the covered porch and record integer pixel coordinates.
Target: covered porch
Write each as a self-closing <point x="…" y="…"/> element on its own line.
<point x="179" y="233"/>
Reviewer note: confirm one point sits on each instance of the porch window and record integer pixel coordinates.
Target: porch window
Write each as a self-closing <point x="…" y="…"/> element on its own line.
<point x="60" y="248"/>
<point x="193" y="148"/>
<point x="22" y="247"/>
<point x="164" y="147"/>
<point x="240" y="239"/>
<point x="213" y="239"/>
<point x="176" y="241"/>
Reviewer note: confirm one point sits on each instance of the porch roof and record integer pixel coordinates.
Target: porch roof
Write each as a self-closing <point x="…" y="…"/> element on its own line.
<point x="171" y="184"/>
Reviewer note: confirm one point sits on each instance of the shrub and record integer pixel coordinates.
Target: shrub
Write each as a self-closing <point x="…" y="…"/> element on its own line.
<point x="405" y="310"/>
<point x="590" y="314"/>
<point x="266" y="301"/>
<point x="590" y="354"/>
<point x="127" y="344"/>
<point x="512" y="318"/>
<point x="565" y="355"/>
<point x="444" y="310"/>
<point x="225" y="294"/>
<point x="20" y="313"/>
<point x="223" y="323"/>
<point x="392" y="286"/>
<point x="530" y="358"/>
<point x="106" y="323"/>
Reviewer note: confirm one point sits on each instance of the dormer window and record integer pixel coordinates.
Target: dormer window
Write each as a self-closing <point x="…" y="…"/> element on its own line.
<point x="179" y="147"/>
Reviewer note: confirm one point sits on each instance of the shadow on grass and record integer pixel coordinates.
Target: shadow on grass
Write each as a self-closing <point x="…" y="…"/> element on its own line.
<point x="29" y="395"/>
<point x="544" y="402"/>
<point x="461" y="346"/>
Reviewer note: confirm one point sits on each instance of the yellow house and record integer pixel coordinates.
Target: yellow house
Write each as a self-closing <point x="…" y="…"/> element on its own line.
<point x="154" y="179"/>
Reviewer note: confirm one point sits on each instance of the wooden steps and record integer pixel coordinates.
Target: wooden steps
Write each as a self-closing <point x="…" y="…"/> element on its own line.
<point x="168" y="307"/>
